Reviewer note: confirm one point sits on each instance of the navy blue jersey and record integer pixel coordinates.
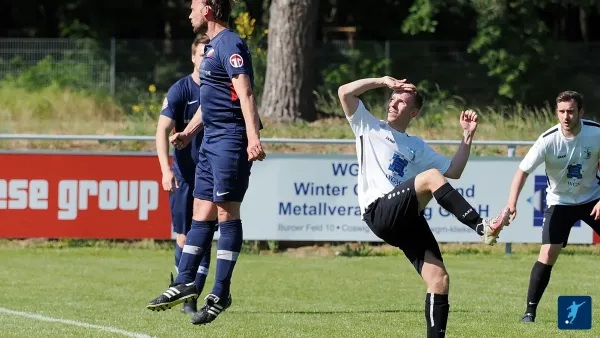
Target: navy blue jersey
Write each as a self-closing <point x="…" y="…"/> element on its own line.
<point x="181" y="103"/>
<point x="224" y="56"/>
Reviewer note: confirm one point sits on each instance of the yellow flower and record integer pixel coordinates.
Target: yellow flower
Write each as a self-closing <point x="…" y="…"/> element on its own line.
<point x="266" y="31"/>
<point x="151" y="88"/>
<point x="244" y="25"/>
<point x="136" y="108"/>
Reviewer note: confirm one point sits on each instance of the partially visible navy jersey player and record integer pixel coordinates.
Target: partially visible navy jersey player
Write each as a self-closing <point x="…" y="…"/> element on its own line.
<point x="179" y="106"/>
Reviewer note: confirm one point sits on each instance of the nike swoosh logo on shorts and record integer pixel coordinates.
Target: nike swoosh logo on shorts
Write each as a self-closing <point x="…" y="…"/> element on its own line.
<point x="190" y="102"/>
<point x="221" y="194"/>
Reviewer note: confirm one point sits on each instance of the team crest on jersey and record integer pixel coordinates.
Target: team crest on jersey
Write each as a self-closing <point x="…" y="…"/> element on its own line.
<point x="398" y="165"/>
<point x="587" y="152"/>
<point x="236" y="61"/>
<point x="165" y="104"/>
<point x="210" y="53"/>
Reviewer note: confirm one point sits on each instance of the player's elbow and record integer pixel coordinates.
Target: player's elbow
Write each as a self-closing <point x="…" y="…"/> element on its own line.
<point x="245" y="95"/>
<point x="342" y="92"/>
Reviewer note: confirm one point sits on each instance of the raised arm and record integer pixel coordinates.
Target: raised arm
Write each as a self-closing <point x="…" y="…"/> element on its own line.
<point x="349" y="93"/>
<point x="468" y="121"/>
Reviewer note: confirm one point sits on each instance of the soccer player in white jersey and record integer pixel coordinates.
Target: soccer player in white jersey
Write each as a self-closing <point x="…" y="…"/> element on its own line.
<point x="398" y="176"/>
<point x="570" y="151"/>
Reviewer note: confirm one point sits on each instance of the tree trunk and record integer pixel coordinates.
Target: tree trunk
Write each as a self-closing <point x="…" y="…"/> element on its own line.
<point x="289" y="80"/>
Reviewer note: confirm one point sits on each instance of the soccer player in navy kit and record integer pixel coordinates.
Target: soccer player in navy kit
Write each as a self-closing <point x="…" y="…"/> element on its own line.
<point x="179" y="106"/>
<point x="231" y="143"/>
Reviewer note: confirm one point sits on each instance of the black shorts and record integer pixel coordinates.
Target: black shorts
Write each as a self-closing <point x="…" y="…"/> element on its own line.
<point x="395" y="218"/>
<point x="559" y="219"/>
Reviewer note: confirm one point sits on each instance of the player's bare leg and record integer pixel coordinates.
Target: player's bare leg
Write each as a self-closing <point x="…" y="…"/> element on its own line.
<point x="228" y="250"/>
<point x="198" y="241"/>
<point x="432" y="184"/>
<point x="539" y="278"/>
<point x="437" y="280"/>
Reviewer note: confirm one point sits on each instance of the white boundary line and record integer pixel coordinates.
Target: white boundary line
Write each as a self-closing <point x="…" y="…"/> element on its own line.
<point x="74" y="323"/>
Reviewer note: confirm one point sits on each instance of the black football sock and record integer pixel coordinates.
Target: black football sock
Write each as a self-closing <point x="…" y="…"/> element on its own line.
<point x="449" y="199"/>
<point x="539" y="279"/>
<point x="436" y="314"/>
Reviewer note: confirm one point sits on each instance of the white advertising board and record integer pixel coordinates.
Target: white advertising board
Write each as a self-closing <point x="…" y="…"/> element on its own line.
<point x="313" y="198"/>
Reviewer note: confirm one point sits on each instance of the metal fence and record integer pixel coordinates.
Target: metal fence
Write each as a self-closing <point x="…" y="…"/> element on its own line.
<point x="120" y="66"/>
<point x="510" y="145"/>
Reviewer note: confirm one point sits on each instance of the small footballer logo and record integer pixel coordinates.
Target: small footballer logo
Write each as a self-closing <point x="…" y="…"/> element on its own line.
<point x="236" y="61"/>
<point x="210" y="53"/>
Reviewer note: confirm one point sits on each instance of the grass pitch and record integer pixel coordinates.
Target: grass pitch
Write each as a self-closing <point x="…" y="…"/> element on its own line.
<point x="280" y="295"/>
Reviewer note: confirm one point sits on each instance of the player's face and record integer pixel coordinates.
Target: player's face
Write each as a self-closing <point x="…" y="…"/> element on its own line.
<point x="198" y="56"/>
<point x="568" y="115"/>
<point x="401" y="106"/>
<point x="197" y="16"/>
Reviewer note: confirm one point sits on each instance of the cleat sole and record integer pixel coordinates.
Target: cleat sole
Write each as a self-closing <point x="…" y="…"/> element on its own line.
<point x="168" y="306"/>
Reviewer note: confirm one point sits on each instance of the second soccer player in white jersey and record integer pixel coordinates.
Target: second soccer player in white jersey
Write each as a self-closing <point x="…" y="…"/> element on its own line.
<point x="398" y="176"/>
<point x="570" y="151"/>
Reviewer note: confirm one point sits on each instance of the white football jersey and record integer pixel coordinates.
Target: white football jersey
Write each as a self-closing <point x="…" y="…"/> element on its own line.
<point x="571" y="164"/>
<point x="387" y="157"/>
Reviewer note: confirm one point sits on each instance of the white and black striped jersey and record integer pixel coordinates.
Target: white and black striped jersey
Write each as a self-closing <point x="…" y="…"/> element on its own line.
<point x="387" y="157"/>
<point x="571" y="164"/>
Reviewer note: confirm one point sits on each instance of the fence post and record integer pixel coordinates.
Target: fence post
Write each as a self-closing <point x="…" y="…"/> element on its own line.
<point x="511" y="152"/>
<point x="113" y="64"/>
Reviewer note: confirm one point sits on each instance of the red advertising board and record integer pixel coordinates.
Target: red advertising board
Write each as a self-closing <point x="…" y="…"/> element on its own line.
<point x="82" y="196"/>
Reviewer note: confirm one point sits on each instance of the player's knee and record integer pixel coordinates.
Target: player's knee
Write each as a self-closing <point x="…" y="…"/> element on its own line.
<point x="435" y="176"/>
<point x="549" y="253"/>
<point x="439" y="283"/>
<point x="228" y="211"/>
<point x="432" y="179"/>
<point x="204" y="210"/>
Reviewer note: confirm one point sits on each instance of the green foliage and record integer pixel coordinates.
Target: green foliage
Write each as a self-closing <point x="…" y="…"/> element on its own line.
<point x="74" y="29"/>
<point x="360" y="250"/>
<point x="80" y="69"/>
<point x="355" y="66"/>
<point x="422" y="17"/>
<point x="510" y="38"/>
<point x="511" y="44"/>
<point x="256" y="38"/>
<point x="149" y="103"/>
<point x="50" y="72"/>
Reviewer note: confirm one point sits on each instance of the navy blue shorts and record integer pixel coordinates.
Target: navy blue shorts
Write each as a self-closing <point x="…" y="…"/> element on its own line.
<point x="182" y="205"/>
<point x="223" y="170"/>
